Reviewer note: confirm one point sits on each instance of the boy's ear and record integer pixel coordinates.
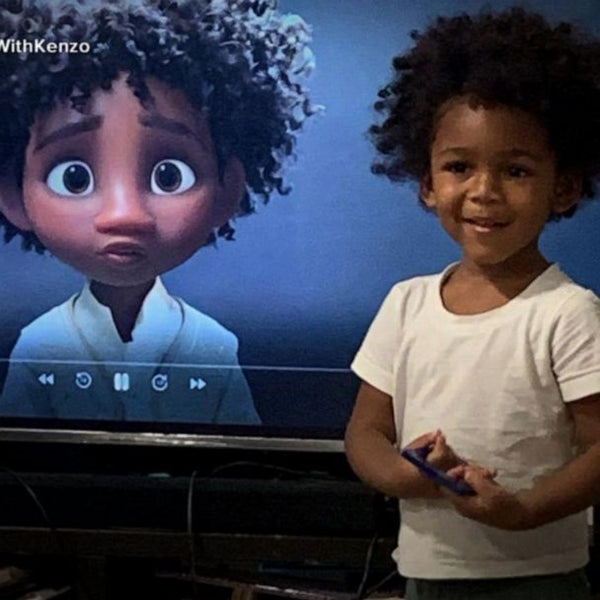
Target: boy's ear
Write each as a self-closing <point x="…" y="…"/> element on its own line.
<point x="233" y="188"/>
<point x="11" y="202"/>
<point x="567" y="191"/>
<point x="426" y="191"/>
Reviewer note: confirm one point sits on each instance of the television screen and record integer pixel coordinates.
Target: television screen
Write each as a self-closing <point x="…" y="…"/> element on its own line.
<point x="147" y="286"/>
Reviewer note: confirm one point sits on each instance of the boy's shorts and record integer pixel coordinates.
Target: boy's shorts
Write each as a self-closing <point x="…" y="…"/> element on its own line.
<point x="562" y="586"/>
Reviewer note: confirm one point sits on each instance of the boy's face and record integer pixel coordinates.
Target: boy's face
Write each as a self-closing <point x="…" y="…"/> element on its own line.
<point x="122" y="193"/>
<point x="494" y="182"/>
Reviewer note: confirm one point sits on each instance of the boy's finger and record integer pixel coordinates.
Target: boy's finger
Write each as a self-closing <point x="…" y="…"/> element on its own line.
<point x="479" y="480"/>
<point x="423" y="440"/>
<point x="458" y="472"/>
<point x="434" y="437"/>
<point x="488" y="472"/>
<point x="439" y="451"/>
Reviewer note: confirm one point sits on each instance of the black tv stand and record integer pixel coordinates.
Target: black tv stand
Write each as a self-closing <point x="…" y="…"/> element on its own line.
<point x="258" y="525"/>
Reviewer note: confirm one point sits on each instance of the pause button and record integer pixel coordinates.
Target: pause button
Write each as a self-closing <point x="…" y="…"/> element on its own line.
<point x="121" y="382"/>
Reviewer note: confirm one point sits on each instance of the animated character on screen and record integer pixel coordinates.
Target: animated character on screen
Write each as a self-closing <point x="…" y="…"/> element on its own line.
<point x="124" y="160"/>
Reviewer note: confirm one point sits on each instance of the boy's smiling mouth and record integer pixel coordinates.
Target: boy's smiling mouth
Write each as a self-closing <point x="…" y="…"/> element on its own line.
<point x="484" y="224"/>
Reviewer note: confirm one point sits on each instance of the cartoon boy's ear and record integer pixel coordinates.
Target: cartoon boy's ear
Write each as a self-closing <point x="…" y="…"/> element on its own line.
<point x="233" y="188"/>
<point x="567" y="192"/>
<point x="426" y="191"/>
<point x="11" y="202"/>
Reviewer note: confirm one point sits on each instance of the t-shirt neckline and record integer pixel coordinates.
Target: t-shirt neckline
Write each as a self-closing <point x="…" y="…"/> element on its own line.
<point x="513" y="305"/>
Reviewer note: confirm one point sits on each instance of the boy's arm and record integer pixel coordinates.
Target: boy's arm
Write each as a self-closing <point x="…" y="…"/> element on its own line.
<point x="568" y="490"/>
<point x="575" y="486"/>
<point x="370" y="447"/>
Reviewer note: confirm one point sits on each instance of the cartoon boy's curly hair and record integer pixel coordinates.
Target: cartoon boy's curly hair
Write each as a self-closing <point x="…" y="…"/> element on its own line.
<point x="239" y="61"/>
<point x="514" y="58"/>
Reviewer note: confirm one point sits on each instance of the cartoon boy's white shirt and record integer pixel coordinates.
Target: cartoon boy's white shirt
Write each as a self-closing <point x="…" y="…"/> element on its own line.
<point x="181" y="365"/>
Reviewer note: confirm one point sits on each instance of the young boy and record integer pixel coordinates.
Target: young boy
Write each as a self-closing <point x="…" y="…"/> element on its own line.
<point x="497" y="359"/>
<point x="122" y="157"/>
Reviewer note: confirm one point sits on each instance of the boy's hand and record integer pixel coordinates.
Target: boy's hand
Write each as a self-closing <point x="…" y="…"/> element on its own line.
<point x="442" y="456"/>
<point x="427" y="439"/>
<point x="427" y="489"/>
<point x="493" y="504"/>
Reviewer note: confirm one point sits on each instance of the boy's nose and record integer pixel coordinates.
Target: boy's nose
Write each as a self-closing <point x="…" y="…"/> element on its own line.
<point x="484" y="187"/>
<point x="124" y="212"/>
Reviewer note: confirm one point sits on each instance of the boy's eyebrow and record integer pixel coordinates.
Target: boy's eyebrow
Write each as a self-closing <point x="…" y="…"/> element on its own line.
<point x="512" y="153"/>
<point x="517" y="152"/>
<point x="66" y="131"/>
<point x="171" y="125"/>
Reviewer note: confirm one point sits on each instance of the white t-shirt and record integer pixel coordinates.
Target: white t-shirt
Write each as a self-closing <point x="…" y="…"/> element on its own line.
<point x="496" y="383"/>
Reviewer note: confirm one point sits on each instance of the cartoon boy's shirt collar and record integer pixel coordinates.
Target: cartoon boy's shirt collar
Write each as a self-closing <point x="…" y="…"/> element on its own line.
<point x="156" y="328"/>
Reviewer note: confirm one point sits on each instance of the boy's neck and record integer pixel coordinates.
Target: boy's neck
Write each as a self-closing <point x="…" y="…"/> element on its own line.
<point x="124" y="303"/>
<point x="509" y="273"/>
<point x="473" y="289"/>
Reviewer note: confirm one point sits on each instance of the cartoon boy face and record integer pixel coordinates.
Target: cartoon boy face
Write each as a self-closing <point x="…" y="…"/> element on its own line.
<point x="123" y="193"/>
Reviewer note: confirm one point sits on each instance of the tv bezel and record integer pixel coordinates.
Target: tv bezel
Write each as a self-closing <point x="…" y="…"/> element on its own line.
<point x="265" y="439"/>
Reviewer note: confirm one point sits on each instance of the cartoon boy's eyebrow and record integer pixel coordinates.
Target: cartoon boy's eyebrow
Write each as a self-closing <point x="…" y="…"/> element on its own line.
<point x="67" y="131"/>
<point x="159" y="121"/>
<point x="95" y="122"/>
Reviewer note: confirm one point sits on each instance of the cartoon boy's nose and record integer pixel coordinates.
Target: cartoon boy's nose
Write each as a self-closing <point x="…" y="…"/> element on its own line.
<point x="124" y="211"/>
<point x="484" y="187"/>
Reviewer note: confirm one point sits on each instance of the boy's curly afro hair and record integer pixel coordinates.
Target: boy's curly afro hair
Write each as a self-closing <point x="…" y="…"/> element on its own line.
<point x="240" y="61"/>
<point x="514" y="58"/>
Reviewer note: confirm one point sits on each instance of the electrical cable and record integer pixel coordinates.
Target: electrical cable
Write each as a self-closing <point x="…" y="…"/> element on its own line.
<point x="216" y="471"/>
<point x="58" y="539"/>
<point x="190" y="533"/>
<point x="37" y="502"/>
<point x="360" y="594"/>
<point x="381" y="582"/>
<point x="380" y="528"/>
<point x="273" y="468"/>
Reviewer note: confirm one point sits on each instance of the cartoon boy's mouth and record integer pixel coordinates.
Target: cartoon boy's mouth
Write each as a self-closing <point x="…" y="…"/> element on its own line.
<point x="123" y="253"/>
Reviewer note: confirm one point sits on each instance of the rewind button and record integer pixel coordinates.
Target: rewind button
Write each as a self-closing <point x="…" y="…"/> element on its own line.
<point x="46" y="378"/>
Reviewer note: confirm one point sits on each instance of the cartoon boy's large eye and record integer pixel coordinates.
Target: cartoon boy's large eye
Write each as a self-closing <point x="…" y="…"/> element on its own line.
<point x="171" y="176"/>
<point x="71" y="178"/>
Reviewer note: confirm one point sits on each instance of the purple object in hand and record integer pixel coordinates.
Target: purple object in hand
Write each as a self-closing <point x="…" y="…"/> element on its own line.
<point x="418" y="457"/>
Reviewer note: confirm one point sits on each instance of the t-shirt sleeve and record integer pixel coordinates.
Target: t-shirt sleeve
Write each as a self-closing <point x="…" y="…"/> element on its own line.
<point x="374" y="361"/>
<point x="576" y="347"/>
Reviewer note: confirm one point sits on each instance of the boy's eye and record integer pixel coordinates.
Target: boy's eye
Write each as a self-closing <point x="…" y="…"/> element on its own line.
<point x="171" y="176"/>
<point x="71" y="178"/>
<point x="456" y="166"/>
<point x="518" y="171"/>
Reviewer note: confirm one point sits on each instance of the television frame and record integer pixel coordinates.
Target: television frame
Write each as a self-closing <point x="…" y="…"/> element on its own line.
<point x="312" y="439"/>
